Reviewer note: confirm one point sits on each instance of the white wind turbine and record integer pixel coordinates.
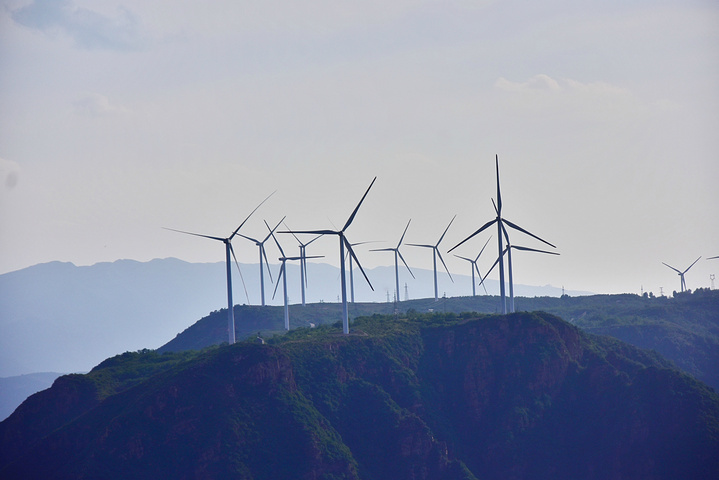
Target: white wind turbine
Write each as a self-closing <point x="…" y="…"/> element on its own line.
<point x="508" y="250"/>
<point x="303" y="262"/>
<point x="435" y="254"/>
<point x="283" y="276"/>
<point x="263" y="259"/>
<point x="681" y="274"/>
<point x="474" y="267"/>
<point x="229" y="251"/>
<point x="500" y="221"/>
<point x="344" y="243"/>
<point x="397" y="256"/>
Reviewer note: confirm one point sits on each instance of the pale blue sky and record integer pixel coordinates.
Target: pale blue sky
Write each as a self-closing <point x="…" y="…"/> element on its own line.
<point x="117" y="118"/>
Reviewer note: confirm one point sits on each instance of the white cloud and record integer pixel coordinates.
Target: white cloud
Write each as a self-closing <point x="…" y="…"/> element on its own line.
<point x="89" y="29"/>
<point x="96" y="105"/>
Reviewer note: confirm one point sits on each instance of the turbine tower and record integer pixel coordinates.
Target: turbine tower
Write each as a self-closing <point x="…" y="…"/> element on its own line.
<point x="475" y="267"/>
<point x="263" y="256"/>
<point x="397" y="256"/>
<point x="283" y="275"/>
<point x="435" y="254"/>
<point x="681" y="274"/>
<point x="229" y="251"/>
<point x="500" y="221"/>
<point x="344" y="243"/>
<point x="303" y="262"/>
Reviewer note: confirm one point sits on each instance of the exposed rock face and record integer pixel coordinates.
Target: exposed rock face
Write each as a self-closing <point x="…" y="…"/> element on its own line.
<point x="440" y="397"/>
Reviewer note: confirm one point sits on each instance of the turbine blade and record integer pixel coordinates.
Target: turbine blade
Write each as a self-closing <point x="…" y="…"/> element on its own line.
<point x="445" y="231"/>
<point x="496" y="210"/>
<point x="352" y="217"/>
<point x="527" y="249"/>
<point x="485" y="246"/>
<point x="482" y="279"/>
<point x="404" y="233"/>
<point x="494" y="264"/>
<point x="690" y="266"/>
<point x="352" y="252"/>
<point x="383" y="249"/>
<point x="318" y="236"/>
<point x="480" y="230"/>
<point x="405" y="263"/>
<point x="248" y="216"/>
<point x="232" y="251"/>
<point x="712" y="258"/>
<point x="491" y="268"/>
<point x="282" y="272"/>
<point x="445" y="265"/>
<point x="282" y="252"/>
<point x="516" y="227"/>
<point x="300" y="258"/>
<point x="313" y="232"/>
<point x="419" y="245"/>
<point x="267" y="262"/>
<point x="249" y="238"/>
<point x="293" y="233"/>
<point x="463" y="258"/>
<point x="363" y="243"/>
<point x="195" y="234"/>
<point x="672" y="268"/>
<point x="273" y="230"/>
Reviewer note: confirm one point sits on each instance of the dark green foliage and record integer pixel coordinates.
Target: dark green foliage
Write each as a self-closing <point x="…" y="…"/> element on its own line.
<point x="684" y="329"/>
<point x="424" y="396"/>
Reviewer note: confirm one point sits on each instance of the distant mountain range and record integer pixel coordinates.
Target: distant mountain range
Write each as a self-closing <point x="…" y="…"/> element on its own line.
<point x="60" y="317"/>
<point x="13" y="390"/>
<point x="416" y="396"/>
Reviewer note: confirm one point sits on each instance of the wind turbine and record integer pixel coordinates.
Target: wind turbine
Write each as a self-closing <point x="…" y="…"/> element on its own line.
<point x="508" y="250"/>
<point x="344" y="243"/>
<point x="229" y="250"/>
<point x="500" y="222"/>
<point x="475" y="267"/>
<point x="263" y="253"/>
<point x="435" y="254"/>
<point x="397" y="256"/>
<point x="681" y="274"/>
<point x="283" y="276"/>
<point x="303" y="262"/>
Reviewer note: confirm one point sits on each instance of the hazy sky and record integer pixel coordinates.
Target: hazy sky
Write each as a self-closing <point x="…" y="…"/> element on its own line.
<point x="118" y="118"/>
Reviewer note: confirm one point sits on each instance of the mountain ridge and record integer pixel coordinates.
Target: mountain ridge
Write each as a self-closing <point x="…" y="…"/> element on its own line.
<point x="437" y="396"/>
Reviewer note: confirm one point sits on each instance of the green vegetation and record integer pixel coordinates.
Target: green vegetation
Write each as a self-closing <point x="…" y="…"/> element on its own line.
<point x="433" y="396"/>
<point x="684" y="328"/>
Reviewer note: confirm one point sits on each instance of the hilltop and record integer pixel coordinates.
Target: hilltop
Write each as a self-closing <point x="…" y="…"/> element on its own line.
<point x="684" y="328"/>
<point x="421" y="396"/>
